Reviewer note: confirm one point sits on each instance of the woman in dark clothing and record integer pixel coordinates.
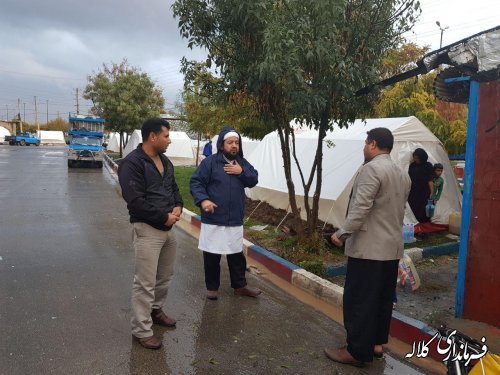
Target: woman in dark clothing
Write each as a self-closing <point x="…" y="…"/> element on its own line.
<point x="421" y="174"/>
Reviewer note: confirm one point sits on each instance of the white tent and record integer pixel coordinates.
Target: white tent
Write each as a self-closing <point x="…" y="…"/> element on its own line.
<point x="54" y="137"/>
<point x="194" y="145"/>
<point x="3" y="133"/>
<point x="179" y="151"/>
<point x="342" y="157"/>
<point x="114" y="141"/>
<point x="247" y="144"/>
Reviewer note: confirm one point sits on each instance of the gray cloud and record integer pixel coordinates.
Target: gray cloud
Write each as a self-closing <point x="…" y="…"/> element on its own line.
<point x="50" y="48"/>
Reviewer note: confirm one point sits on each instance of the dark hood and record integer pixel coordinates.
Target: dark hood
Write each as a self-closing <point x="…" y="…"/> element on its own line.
<point x="422" y="155"/>
<point x="220" y="140"/>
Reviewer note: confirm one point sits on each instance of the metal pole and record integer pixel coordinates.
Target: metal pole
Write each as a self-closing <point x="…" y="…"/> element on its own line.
<point x="47" y="111"/>
<point x="470" y="151"/>
<point x="19" y="114"/>
<point x="442" y="31"/>
<point x="36" y="118"/>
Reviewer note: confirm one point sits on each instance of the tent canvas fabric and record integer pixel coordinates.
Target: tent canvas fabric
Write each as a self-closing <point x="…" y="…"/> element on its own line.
<point x="179" y="151"/>
<point x="55" y="137"/>
<point x="248" y="145"/>
<point x="342" y="158"/>
<point x="114" y="141"/>
<point x="3" y="132"/>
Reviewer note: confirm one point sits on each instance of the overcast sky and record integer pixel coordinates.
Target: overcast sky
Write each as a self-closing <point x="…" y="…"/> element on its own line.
<point x="49" y="47"/>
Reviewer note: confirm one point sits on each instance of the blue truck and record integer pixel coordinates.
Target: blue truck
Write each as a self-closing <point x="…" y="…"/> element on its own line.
<point x="23" y="139"/>
<point x="85" y="136"/>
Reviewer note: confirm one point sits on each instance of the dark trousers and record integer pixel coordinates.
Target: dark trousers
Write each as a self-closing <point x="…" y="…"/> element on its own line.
<point x="368" y="297"/>
<point x="237" y="264"/>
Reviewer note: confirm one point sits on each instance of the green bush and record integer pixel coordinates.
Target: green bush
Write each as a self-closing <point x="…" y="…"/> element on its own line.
<point x="315" y="266"/>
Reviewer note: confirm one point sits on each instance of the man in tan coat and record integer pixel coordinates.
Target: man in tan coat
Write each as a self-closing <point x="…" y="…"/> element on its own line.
<point x="374" y="245"/>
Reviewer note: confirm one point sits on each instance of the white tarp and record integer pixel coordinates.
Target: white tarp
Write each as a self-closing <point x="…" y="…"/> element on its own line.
<point x="114" y="141"/>
<point x="3" y="133"/>
<point x="247" y="144"/>
<point x="342" y="157"/>
<point x="51" y="137"/>
<point x="179" y="151"/>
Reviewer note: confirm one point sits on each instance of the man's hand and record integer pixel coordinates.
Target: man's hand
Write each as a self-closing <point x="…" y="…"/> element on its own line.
<point x="208" y="206"/>
<point x="335" y="240"/>
<point x="172" y="219"/>
<point x="177" y="211"/>
<point x="233" y="169"/>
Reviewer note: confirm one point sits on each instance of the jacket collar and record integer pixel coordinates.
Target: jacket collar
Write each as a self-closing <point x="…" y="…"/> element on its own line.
<point x="145" y="156"/>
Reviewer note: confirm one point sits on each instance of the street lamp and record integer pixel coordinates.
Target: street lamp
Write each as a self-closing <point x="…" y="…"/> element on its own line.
<point x="442" y="31"/>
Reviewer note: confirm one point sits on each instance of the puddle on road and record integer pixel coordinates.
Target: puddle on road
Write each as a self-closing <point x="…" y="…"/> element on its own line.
<point x="54" y="154"/>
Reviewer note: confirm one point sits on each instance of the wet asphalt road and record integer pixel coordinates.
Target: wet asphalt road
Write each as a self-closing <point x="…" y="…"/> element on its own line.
<point x="66" y="269"/>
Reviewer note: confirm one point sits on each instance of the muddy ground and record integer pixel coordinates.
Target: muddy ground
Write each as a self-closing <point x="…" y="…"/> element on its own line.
<point x="432" y="303"/>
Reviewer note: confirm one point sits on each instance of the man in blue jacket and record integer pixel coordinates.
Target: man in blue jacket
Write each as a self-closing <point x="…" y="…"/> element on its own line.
<point x="218" y="188"/>
<point x="207" y="149"/>
<point x="155" y="205"/>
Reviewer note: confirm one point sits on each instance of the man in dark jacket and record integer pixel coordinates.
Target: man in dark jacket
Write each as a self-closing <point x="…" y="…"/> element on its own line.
<point x="207" y="149"/>
<point x="155" y="205"/>
<point x="218" y="188"/>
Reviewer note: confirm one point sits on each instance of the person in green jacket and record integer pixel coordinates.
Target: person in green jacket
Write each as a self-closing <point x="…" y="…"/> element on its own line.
<point x="438" y="182"/>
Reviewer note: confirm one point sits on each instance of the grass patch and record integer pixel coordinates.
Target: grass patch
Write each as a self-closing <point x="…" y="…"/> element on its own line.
<point x="182" y="177"/>
<point x="433" y="239"/>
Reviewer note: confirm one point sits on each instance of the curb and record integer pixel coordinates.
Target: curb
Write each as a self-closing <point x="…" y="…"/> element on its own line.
<point x="403" y="328"/>
<point x="110" y="163"/>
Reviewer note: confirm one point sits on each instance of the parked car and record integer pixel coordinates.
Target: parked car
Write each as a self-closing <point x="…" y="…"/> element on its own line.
<point x="23" y="139"/>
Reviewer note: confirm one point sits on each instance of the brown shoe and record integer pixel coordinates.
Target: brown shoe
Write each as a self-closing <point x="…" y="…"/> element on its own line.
<point x="247" y="291"/>
<point x="341" y="355"/>
<point x="160" y="318"/>
<point x="378" y="352"/>
<point x="212" y="295"/>
<point x="149" y="342"/>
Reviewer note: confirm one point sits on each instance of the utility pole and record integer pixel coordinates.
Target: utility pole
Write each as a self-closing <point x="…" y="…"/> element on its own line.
<point x="77" y="103"/>
<point x="24" y="112"/>
<point x="19" y="114"/>
<point x="442" y="31"/>
<point x="7" y="106"/>
<point x="47" y="111"/>
<point x="36" y="118"/>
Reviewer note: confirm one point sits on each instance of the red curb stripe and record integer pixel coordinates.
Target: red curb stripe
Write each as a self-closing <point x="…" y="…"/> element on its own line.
<point x="410" y="334"/>
<point x="276" y="268"/>
<point x="195" y="222"/>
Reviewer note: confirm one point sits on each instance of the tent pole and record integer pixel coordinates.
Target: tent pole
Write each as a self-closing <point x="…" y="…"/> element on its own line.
<point x="281" y="222"/>
<point x="328" y="216"/>
<point x="251" y="213"/>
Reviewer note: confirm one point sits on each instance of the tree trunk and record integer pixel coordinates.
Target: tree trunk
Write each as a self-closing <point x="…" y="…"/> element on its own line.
<point x="313" y="219"/>
<point x="198" y="148"/>
<point x="121" y="144"/>
<point x="284" y="135"/>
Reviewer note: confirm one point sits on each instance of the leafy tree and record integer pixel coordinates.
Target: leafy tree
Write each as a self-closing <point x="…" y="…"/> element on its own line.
<point x="401" y="59"/>
<point x="124" y="97"/>
<point x="416" y="98"/>
<point x="207" y="110"/>
<point x="297" y="59"/>
<point x="57" y="124"/>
